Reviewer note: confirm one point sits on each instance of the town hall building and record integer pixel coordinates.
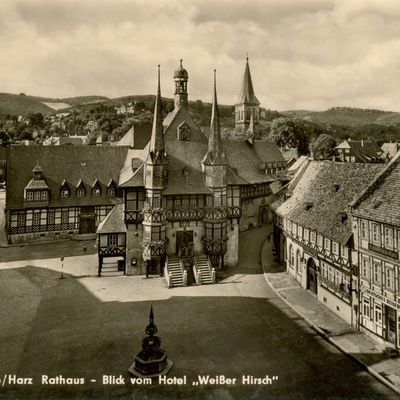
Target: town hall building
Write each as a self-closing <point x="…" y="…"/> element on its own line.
<point x="173" y="206"/>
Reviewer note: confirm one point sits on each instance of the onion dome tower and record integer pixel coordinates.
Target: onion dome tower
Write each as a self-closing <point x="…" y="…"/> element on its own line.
<point x="181" y="78"/>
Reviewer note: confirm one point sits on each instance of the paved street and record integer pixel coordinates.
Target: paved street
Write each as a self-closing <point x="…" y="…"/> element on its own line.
<point x="84" y="326"/>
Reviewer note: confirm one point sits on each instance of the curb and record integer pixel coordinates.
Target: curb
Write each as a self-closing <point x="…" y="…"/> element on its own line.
<point x="365" y="367"/>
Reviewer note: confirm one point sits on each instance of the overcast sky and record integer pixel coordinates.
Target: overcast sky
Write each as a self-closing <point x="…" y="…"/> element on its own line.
<point x="304" y="54"/>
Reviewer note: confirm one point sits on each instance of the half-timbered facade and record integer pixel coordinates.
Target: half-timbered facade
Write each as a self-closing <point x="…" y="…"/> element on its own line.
<point x="316" y="232"/>
<point x="376" y="228"/>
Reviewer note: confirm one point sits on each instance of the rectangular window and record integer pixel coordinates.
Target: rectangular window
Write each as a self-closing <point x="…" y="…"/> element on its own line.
<point x="36" y="219"/>
<point x="43" y="195"/>
<point x="36" y="195"/>
<point x="96" y="192"/>
<point x="50" y="217"/>
<point x="376" y="234"/>
<point x="330" y="274"/>
<point x="29" y="195"/>
<point x="378" y="314"/>
<point x="366" y="308"/>
<point x="21" y="218"/>
<point x="112" y="239"/>
<point x="377" y="271"/>
<point x="306" y="234"/>
<point x="111" y="192"/>
<point x="64" y="217"/>
<point x="80" y="193"/>
<point x="343" y="252"/>
<point x="313" y="237"/>
<point x="335" y="248"/>
<point x="320" y="241"/>
<point x="327" y="244"/>
<point x="389" y="276"/>
<point x="64" y="193"/>
<point x="365" y="267"/>
<point x="135" y="200"/>
<point x="364" y="230"/>
<point x="388" y="238"/>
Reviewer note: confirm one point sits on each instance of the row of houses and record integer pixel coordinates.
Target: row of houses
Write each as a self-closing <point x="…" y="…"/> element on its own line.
<point x="337" y="229"/>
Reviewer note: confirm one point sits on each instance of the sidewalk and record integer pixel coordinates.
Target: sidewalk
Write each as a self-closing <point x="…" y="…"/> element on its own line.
<point x="356" y="344"/>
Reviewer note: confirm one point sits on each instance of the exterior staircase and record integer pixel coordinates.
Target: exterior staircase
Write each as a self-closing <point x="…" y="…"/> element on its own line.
<point x="175" y="272"/>
<point x="202" y="264"/>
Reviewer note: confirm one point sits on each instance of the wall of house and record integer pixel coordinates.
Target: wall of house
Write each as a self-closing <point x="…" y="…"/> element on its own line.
<point x="335" y="304"/>
<point x="134" y="238"/>
<point x="232" y="252"/>
<point x="198" y="233"/>
<point x="294" y="266"/>
<point x="251" y="212"/>
<point x="42" y="236"/>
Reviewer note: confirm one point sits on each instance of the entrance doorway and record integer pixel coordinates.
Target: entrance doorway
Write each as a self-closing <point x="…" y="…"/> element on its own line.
<point x="87" y="220"/>
<point x="264" y="216"/>
<point x="391" y="318"/>
<point x="312" y="276"/>
<point x="184" y="244"/>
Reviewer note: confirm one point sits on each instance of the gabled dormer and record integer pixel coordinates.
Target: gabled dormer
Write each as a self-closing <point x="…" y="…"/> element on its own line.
<point x="80" y="189"/>
<point x="65" y="191"/>
<point x="111" y="188"/>
<point x="96" y="188"/>
<point x="36" y="192"/>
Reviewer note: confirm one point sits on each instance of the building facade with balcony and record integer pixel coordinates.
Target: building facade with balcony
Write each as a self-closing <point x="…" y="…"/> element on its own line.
<point x="376" y="228"/>
<point x="314" y="232"/>
<point x="182" y="196"/>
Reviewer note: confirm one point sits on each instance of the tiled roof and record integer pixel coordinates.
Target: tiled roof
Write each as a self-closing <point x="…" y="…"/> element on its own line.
<point x="114" y="222"/>
<point x="69" y="163"/>
<point x="36" y="184"/>
<point x="245" y="162"/>
<point x="268" y="152"/>
<point x="381" y="200"/>
<point x="329" y="187"/>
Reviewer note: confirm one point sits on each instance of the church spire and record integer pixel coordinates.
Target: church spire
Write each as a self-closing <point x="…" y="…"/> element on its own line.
<point x="157" y="148"/>
<point x="215" y="153"/>
<point x="247" y="95"/>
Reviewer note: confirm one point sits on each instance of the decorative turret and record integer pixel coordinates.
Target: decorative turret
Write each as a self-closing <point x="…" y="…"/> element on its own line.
<point x="155" y="179"/>
<point x="215" y="153"/>
<point x="248" y="104"/>
<point x="215" y="169"/>
<point x="157" y="147"/>
<point x="181" y="79"/>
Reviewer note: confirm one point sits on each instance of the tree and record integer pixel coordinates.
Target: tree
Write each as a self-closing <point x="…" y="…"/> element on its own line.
<point x="323" y="147"/>
<point x="294" y="132"/>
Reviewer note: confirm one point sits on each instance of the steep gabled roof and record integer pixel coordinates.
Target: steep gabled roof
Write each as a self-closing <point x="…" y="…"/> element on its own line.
<point x="247" y="94"/>
<point x="329" y="187"/>
<point x="366" y="150"/>
<point x="114" y="222"/>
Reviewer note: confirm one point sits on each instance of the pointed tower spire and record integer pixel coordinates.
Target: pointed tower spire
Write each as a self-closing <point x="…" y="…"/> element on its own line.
<point x="215" y="153"/>
<point x="247" y="94"/>
<point x="157" y="138"/>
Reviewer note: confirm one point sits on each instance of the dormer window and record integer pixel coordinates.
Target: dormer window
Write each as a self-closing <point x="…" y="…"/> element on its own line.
<point x="64" y="189"/>
<point x="96" y="189"/>
<point x="111" y="186"/>
<point x="80" y="189"/>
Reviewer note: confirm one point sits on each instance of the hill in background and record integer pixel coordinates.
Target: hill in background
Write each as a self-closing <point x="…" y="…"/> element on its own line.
<point x="347" y="116"/>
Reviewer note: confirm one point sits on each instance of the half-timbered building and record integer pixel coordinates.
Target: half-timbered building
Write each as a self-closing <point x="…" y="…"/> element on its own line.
<point x="315" y="232"/>
<point x="376" y="228"/>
